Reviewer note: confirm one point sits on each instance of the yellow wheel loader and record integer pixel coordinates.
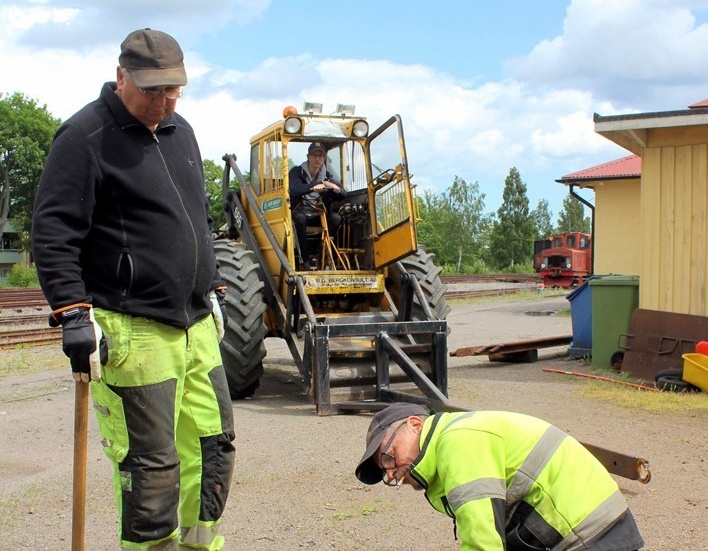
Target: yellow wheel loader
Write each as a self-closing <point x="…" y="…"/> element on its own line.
<point x="366" y="322"/>
<point x="364" y="317"/>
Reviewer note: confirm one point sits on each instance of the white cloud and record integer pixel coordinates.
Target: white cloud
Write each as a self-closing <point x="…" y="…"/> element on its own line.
<point x="634" y="55"/>
<point x="634" y="52"/>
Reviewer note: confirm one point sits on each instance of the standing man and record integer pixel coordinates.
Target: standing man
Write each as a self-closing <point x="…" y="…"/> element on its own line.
<point x="509" y="481"/>
<point x="310" y="183"/>
<point x="123" y="248"/>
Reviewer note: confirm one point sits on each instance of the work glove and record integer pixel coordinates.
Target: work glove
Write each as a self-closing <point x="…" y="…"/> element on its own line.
<point x="82" y="341"/>
<point x="218" y="310"/>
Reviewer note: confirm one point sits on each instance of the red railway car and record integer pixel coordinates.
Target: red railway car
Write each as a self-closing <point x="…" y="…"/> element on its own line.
<point x="563" y="260"/>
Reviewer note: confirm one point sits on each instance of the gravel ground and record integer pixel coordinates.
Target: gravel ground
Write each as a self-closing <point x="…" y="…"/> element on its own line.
<point x="293" y="484"/>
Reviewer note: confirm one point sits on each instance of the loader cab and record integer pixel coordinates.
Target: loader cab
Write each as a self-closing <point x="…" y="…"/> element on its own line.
<point x="369" y="317"/>
<point x="378" y="213"/>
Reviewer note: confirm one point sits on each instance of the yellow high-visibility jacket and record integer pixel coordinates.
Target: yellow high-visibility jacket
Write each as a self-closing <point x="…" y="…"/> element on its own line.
<point x="477" y="467"/>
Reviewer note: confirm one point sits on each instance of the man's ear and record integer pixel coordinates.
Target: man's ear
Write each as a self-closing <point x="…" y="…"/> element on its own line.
<point x="120" y="78"/>
<point x="416" y="423"/>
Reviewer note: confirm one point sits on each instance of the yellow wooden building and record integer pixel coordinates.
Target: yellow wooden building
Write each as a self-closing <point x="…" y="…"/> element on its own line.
<point x="672" y="236"/>
<point x="616" y="213"/>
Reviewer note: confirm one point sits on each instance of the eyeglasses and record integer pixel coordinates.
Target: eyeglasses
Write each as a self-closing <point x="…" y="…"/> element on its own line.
<point x="387" y="460"/>
<point x="152" y="93"/>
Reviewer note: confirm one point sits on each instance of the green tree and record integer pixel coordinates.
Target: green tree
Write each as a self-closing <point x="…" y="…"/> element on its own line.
<point x="542" y="220"/>
<point x="213" y="177"/>
<point x="572" y="217"/>
<point x="430" y="228"/>
<point x="469" y="224"/>
<point x="26" y="132"/>
<point x="512" y="236"/>
<point x="453" y="224"/>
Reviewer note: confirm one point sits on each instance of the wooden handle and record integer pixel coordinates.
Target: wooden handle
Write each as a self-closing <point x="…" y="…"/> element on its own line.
<point x="78" y="518"/>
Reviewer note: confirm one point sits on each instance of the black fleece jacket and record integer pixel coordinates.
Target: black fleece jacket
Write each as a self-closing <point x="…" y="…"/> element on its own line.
<point x="121" y="219"/>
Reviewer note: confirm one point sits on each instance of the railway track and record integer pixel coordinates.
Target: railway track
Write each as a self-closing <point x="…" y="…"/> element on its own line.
<point x="20" y="299"/>
<point x="30" y="319"/>
<point x="488" y="278"/>
<point x="482" y="293"/>
<point x="36" y="336"/>
<point x="29" y="329"/>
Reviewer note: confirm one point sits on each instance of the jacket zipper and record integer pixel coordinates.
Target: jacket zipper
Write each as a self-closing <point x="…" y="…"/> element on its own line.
<point x="189" y="220"/>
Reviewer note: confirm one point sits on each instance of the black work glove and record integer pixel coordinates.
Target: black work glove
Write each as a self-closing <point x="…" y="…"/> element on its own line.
<point x="82" y="341"/>
<point x="218" y="310"/>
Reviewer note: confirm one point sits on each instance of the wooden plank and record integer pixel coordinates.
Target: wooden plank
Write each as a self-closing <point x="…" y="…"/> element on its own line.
<point x="649" y="200"/>
<point x="680" y="283"/>
<point x="699" y="232"/>
<point x="513" y="347"/>
<point x="665" y="256"/>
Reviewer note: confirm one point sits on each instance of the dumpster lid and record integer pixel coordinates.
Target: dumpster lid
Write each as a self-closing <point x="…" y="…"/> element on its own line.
<point x="580" y="288"/>
<point x="616" y="280"/>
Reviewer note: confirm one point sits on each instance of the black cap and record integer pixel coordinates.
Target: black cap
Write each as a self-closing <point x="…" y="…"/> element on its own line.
<point x="367" y="470"/>
<point x="316" y="145"/>
<point x="153" y="58"/>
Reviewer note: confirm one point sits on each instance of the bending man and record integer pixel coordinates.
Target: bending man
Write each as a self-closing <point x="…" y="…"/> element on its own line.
<point x="509" y="481"/>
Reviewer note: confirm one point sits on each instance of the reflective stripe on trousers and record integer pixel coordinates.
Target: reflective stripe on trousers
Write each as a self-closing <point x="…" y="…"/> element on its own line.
<point x="166" y="420"/>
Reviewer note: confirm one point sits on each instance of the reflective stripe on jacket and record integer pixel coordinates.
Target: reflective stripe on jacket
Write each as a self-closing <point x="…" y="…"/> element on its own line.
<point x="478" y="466"/>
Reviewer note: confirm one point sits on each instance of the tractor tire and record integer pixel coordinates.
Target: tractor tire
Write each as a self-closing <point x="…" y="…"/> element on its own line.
<point x="616" y="361"/>
<point x="422" y="266"/>
<point x="674" y="383"/>
<point x="670" y="372"/>
<point x="243" y="347"/>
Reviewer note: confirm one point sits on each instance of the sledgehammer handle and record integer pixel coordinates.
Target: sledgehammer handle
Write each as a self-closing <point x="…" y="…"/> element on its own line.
<point x="78" y="517"/>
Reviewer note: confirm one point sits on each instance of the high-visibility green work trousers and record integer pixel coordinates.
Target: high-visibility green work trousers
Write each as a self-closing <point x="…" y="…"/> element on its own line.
<point x="166" y="419"/>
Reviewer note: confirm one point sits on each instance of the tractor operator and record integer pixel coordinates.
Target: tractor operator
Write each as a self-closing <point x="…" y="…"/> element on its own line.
<point x="122" y="242"/>
<point x="310" y="184"/>
<point x="509" y="481"/>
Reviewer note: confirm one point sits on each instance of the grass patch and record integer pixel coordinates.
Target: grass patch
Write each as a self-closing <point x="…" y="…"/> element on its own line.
<point x="690" y="404"/>
<point x="521" y="295"/>
<point x="26" y="360"/>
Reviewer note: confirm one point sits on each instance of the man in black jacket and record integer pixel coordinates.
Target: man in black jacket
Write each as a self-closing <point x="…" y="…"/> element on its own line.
<point x="123" y="248"/>
<point x="309" y="184"/>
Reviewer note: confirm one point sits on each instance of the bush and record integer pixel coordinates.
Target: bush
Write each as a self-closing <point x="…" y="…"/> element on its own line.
<point x="526" y="268"/>
<point x="22" y="276"/>
<point x="477" y="267"/>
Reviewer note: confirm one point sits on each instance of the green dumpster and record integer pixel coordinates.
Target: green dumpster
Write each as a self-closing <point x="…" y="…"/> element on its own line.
<point x="614" y="298"/>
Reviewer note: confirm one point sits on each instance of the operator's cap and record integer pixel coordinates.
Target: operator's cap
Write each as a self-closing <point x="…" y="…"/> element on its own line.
<point x="367" y="470"/>
<point x="153" y="58"/>
<point x="315" y="146"/>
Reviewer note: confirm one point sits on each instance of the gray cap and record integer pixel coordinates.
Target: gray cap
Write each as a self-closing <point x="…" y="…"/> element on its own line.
<point x="153" y="58"/>
<point x="367" y="470"/>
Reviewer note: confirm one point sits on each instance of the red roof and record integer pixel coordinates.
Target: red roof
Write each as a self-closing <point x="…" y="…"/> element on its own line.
<point x="626" y="167"/>
<point x="699" y="105"/>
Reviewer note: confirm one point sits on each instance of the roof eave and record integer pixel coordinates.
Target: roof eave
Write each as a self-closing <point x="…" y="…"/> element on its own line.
<point x="590" y="182"/>
<point x="631" y="131"/>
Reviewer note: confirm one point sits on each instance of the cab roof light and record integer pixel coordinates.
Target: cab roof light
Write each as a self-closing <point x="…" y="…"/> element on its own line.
<point x="312" y="108"/>
<point x="289" y="111"/>
<point x="293" y="125"/>
<point x="344" y="110"/>
<point x="360" y="128"/>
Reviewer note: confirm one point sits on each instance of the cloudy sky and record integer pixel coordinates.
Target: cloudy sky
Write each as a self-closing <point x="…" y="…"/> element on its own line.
<point x="482" y="86"/>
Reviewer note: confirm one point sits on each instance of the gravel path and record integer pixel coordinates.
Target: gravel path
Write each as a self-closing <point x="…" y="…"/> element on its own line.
<point x="294" y="486"/>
